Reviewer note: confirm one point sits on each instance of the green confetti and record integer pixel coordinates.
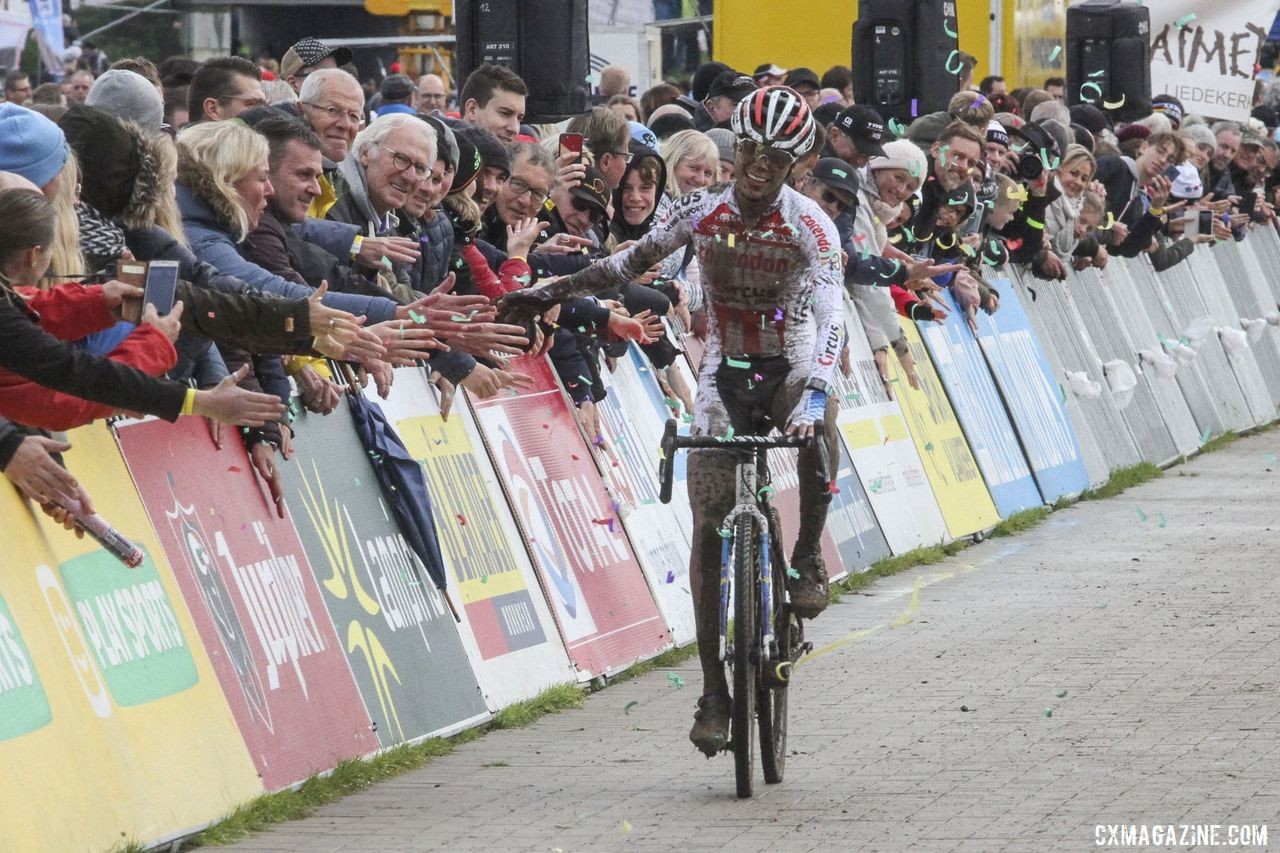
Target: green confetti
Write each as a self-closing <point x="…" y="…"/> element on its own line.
<point x="484" y="579"/>
<point x="1048" y="712"/>
<point x="417" y="318"/>
<point x="1163" y="522"/>
<point x="728" y="435"/>
<point x="733" y="362"/>
<point x="948" y="29"/>
<point x="765" y="491"/>
<point x="672" y="402"/>
<point x="1270" y="459"/>
<point x="725" y="533"/>
<point x="1061" y="694"/>
<point x="1184" y="20"/>
<point x="1204" y="436"/>
<point x="676" y="680"/>
<point x="1053" y="55"/>
<point x="792" y="573"/>
<point x="626" y="709"/>
<point x="1142" y="516"/>
<point x="928" y="446"/>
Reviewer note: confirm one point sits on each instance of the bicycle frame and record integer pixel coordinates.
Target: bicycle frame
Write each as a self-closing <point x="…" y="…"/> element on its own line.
<point x="751" y="470"/>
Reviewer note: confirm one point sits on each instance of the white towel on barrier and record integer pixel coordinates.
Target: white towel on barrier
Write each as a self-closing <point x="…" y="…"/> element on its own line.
<point x="1161" y="362"/>
<point x="1234" y="341"/>
<point x="1121" y="380"/>
<point x="1254" y="328"/>
<point x="1082" y="386"/>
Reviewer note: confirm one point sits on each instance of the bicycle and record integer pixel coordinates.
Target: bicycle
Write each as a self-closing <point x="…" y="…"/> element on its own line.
<point x="768" y="638"/>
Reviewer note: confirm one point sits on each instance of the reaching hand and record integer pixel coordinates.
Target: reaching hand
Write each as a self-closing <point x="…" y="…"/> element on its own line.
<point x="642" y="328"/>
<point x="263" y="457"/>
<point x="318" y="394"/>
<point x="443" y="300"/>
<point x="398" y="250"/>
<point x="35" y="473"/>
<point x="170" y="325"/>
<point x="563" y="244"/>
<point x="231" y="404"/>
<point x="405" y="342"/>
<point x="522" y="235"/>
<point x="114" y="294"/>
<point x="338" y="334"/>
<point x="447" y="390"/>
<point x="520" y="306"/>
<point x="383" y="377"/>
<point x="485" y="339"/>
<point x="481" y="381"/>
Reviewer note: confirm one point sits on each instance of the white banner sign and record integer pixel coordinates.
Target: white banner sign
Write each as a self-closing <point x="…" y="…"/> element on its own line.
<point x="1204" y="53"/>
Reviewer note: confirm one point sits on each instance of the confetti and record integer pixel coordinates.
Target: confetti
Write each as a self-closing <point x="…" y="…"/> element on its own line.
<point x="1114" y="105"/>
<point x="1048" y="712"/>
<point x="1270" y="459"/>
<point x="235" y="469"/>
<point x="725" y="533"/>
<point x="484" y="579"/>
<point x="915" y="107"/>
<point x="676" y="680"/>
<point x="928" y="446"/>
<point x="462" y="519"/>
<point x="1053" y="55"/>
<point x="896" y="128"/>
<point x="731" y="240"/>
<point x="1163" y="522"/>
<point x="1060" y="694"/>
<point x="626" y="827"/>
<point x="764" y="492"/>
<point x="1184" y="20"/>
<point x="416" y="317"/>
<point x="1142" y="516"/>
<point x="733" y="362"/>
<point x="1090" y="85"/>
<point x="671" y="576"/>
<point x="626" y="709"/>
<point x="1204" y="436"/>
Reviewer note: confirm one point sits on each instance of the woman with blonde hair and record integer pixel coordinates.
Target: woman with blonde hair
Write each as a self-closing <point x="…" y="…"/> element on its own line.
<point x="692" y="159"/>
<point x="1075" y="174"/>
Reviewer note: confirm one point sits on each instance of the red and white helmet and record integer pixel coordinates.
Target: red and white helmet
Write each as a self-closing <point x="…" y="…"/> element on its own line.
<point x="778" y="117"/>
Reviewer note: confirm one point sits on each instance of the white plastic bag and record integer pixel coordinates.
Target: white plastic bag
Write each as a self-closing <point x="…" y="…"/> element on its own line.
<point x="1121" y="380"/>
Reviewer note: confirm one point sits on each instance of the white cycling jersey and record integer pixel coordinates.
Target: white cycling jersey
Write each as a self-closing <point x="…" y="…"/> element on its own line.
<point x="774" y="287"/>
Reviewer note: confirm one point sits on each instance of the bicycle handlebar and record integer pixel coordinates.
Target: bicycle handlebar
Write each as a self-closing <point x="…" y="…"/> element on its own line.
<point x="671" y="442"/>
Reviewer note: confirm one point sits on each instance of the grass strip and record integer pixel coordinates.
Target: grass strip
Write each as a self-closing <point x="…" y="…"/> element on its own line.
<point x="356" y="774"/>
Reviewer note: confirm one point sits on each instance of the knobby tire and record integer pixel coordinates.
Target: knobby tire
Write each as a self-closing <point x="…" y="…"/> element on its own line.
<point x="745" y="602"/>
<point x="771" y="700"/>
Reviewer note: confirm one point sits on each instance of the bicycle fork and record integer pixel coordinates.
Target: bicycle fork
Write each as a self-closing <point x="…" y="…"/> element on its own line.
<point x="746" y="505"/>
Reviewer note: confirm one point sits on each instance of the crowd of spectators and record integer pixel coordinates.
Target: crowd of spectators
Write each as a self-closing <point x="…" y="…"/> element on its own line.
<point x="326" y="232"/>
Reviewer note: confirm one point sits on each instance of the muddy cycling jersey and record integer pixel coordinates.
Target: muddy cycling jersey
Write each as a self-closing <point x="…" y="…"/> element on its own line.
<point x="774" y="287"/>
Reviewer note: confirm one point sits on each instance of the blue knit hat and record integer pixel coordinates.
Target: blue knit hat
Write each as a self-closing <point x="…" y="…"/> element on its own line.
<point x="30" y="144"/>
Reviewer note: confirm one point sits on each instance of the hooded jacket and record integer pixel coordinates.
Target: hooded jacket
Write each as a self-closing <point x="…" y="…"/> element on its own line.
<point x="619" y="228"/>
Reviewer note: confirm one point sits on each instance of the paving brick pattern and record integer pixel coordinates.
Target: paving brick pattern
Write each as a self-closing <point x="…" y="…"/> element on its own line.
<point x="1166" y="640"/>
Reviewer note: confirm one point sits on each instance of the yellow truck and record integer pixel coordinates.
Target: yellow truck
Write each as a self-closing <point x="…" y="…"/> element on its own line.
<point x="1012" y="38"/>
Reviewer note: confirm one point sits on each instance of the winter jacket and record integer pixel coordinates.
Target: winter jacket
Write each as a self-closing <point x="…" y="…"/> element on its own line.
<point x="1120" y="176"/>
<point x="212" y="242"/>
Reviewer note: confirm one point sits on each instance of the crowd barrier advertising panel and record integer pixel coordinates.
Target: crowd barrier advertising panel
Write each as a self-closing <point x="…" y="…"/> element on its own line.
<point x="399" y="636"/>
<point x="254" y="598"/>
<point x="1033" y="399"/>
<point x="628" y="462"/>
<point x="1063" y="336"/>
<point x="1251" y="301"/>
<point x="948" y="462"/>
<point x="647" y="396"/>
<point x="506" y="624"/>
<point x="883" y="457"/>
<point x="599" y="596"/>
<point x="958" y="361"/>
<point x="112" y="724"/>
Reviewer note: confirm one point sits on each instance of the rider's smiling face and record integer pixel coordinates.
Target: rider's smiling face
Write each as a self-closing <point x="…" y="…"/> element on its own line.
<point x="758" y="178"/>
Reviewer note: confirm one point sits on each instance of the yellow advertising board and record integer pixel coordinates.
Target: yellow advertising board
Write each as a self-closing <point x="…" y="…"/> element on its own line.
<point x="948" y="462"/>
<point x="109" y="711"/>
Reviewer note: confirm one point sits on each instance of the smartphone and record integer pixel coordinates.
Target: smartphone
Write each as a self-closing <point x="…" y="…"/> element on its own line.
<point x="1197" y="222"/>
<point x="1247" y="203"/>
<point x="571" y="143"/>
<point x="135" y="273"/>
<point x="1171" y="173"/>
<point x="162" y="286"/>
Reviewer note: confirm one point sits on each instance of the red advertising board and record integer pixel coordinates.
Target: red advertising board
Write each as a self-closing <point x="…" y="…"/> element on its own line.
<point x="601" y="601"/>
<point x="254" y="599"/>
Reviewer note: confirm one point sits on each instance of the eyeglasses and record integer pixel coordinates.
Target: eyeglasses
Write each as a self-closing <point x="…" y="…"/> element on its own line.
<point x="519" y="188"/>
<point x="402" y="163"/>
<point x="594" y="212"/>
<point x="842" y="204"/>
<point x="774" y="157"/>
<point x="336" y="113"/>
<point x="625" y="155"/>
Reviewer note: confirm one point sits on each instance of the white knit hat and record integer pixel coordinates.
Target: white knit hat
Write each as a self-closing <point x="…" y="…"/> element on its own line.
<point x="902" y="154"/>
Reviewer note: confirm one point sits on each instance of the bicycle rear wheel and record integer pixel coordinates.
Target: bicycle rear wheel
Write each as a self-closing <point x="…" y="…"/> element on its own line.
<point x="771" y="700"/>
<point x="745" y="642"/>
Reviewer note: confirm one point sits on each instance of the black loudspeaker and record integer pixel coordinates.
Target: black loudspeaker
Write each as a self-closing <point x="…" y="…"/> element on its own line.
<point x="906" y="51"/>
<point x="1109" y="57"/>
<point x="546" y="42"/>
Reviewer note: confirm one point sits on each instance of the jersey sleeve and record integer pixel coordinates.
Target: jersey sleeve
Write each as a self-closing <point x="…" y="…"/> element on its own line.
<point x="821" y="246"/>
<point x="669" y="235"/>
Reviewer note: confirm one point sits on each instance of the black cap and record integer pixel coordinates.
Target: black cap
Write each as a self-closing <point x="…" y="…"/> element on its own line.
<point x="396" y="87"/>
<point x="593" y="190"/>
<point x="836" y="174"/>
<point x="803" y="75"/>
<point x="864" y="127"/>
<point x="732" y="85"/>
<point x="704" y="77"/>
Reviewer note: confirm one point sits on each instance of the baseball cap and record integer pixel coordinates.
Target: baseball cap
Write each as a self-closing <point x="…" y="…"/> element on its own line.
<point x="308" y="52"/>
<point x="803" y="75"/>
<point x="768" y="70"/>
<point x="836" y="174"/>
<point x="732" y="85"/>
<point x="593" y="190"/>
<point x="396" y="87"/>
<point x="864" y="127"/>
<point x="1187" y="185"/>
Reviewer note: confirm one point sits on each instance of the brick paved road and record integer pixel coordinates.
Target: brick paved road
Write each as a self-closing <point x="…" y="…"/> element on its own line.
<point x="1166" y="639"/>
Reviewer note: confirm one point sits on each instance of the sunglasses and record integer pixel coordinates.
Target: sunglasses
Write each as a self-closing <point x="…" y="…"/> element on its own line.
<point x="591" y="210"/>
<point x="842" y="204"/>
<point x="774" y="157"/>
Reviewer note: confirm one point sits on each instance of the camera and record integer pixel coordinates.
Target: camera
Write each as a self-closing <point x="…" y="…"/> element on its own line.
<point x="1039" y="147"/>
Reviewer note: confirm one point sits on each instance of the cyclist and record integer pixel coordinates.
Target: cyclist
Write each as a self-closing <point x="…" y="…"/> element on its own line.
<point x="771" y="269"/>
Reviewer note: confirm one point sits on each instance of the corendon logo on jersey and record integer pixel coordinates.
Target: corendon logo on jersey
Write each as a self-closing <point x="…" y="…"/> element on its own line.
<point x="819" y="234"/>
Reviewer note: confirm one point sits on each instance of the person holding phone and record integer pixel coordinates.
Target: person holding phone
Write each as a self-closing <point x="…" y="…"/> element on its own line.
<point x="1137" y="190"/>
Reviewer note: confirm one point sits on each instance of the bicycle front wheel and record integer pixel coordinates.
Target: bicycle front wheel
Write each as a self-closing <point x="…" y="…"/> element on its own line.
<point x="746" y="573"/>
<point x="771" y="701"/>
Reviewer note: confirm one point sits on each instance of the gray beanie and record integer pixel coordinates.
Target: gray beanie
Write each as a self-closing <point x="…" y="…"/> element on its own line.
<point x="724" y="140"/>
<point x="128" y="96"/>
<point x="1201" y="133"/>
